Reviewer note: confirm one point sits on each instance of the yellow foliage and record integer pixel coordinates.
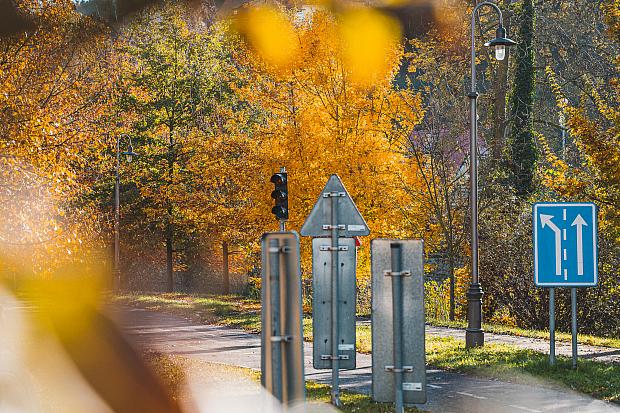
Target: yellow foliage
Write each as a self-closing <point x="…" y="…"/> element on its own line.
<point x="611" y="8"/>
<point x="369" y="41"/>
<point x="364" y="40"/>
<point x="315" y="121"/>
<point x="54" y="93"/>
<point x="271" y="35"/>
<point x="314" y="94"/>
<point x="597" y="177"/>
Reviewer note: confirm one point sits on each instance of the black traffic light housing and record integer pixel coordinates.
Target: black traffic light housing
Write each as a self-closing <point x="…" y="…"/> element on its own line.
<point x="280" y="195"/>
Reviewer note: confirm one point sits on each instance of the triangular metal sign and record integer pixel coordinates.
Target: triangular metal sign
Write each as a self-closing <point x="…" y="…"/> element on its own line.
<point x="348" y="219"/>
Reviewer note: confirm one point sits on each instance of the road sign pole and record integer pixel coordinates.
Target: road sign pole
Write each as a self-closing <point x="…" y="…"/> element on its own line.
<point x="398" y="356"/>
<point x="573" y="304"/>
<point x="397" y="318"/>
<point x="336" y="215"/>
<point x="552" y="326"/>
<point x="282" y="366"/>
<point x="276" y="346"/>
<point x="558" y="228"/>
<point x="335" y="301"/>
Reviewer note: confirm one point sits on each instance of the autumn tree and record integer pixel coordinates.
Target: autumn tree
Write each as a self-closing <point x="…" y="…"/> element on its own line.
<point x="196" y="161"/>
<point x="439" y="150"/>
<point x="55" y="84"/>
<point x="593" y="172"/>
<point x="318" y="116"/>
<point x="166" y="79"/>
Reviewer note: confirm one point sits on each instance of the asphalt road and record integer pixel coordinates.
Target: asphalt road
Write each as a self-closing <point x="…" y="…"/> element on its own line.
<point x="447" y="392"/>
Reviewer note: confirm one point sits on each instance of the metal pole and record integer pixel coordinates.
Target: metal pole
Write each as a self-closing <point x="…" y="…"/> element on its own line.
<point x="117" y="252"/>
<point x="474" y="335"/>
<point x="276" y="345"/>
<point x="563" y="143"/>
<point x="562" y="120"/>
<point x="397" y="324"/>
<point x="552" y="326"/>
<point x="573" y="302"/>
<point x="287" y="376"/>
<point x="335" y="396"/>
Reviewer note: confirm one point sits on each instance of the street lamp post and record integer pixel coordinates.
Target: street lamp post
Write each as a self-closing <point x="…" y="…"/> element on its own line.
<point x="129" y="154"/>
<point x="474" y="335"/>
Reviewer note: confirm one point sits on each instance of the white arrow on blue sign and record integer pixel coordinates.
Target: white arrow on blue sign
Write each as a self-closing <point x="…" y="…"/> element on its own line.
<point x="565" y="244"/>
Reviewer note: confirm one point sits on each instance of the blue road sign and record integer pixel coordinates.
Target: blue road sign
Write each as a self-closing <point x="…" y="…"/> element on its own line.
<point x="565" y="244"/>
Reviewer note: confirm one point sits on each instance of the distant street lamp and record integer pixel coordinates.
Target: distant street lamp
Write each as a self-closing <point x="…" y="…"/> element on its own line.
<point x="474" y="336"/>
<point x="129" y="155"/>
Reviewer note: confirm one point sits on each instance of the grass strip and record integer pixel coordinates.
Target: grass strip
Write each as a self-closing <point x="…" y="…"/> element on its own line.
<point x="498" y="361"/>
<point x="541" y="334"/>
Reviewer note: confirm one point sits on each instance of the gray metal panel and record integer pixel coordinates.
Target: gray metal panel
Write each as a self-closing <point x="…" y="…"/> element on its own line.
<point x="321" y="302"/>
<point x="282" y="362"/>
<point x="413" y="321"/>
<point x="348" y="214"/>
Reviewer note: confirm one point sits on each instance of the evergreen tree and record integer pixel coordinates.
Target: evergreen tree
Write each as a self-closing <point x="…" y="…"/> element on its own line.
<point x="523" y="153"/>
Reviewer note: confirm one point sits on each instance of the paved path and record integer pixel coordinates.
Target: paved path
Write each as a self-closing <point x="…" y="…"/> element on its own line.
<point x="447" y="392"/>
<point x="562" y="348"/>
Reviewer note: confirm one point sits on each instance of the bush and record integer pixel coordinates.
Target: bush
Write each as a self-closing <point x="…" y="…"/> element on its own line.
<point x="437" y="300"/>
<point x="253" y="289"/>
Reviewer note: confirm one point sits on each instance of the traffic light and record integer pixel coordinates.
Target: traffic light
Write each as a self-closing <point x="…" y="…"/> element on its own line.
<point x="280" y="195"/>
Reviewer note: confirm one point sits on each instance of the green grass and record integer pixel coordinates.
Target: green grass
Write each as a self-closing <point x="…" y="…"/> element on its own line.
<point x="229" y="310"/>
<point x="351" y="402"/>
<point x="543" y="334"/>
<point x="512" y="364"/>
<point x="503" y="362"/>
<point x="509" y="363"/>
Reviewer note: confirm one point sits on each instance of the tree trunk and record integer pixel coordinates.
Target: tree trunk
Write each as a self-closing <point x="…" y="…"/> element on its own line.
<point x="169" y="218"/>
<point x="522" y="143"/>
<point x="226" y="274"/>
<point x="500" y="87"/>
<point x="169" y="269"/>
<point x="452" y="286"/>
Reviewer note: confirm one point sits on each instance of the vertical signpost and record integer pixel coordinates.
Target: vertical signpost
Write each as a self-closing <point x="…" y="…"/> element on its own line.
<point x="282" y="367"/>
<point x="552" y="326"/>
<point x="565" y="255"/>
<point x="398" y="355"/>
<point x="322" y="291"/>
<point x="334" y="220"/>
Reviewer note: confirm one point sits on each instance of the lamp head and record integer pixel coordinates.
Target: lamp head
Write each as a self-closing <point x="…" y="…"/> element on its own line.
<point x="500" y="43"/>
<point x="129" y="154"/>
